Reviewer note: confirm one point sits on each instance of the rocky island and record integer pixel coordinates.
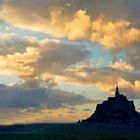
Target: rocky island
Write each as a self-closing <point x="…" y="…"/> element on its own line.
<point x="116" y="110"/>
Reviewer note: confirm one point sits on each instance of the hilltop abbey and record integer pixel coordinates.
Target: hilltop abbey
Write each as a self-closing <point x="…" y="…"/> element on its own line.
<point x="116" y="110"/>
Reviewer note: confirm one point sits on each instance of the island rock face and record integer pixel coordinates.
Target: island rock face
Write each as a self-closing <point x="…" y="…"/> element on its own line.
<point x="116" y="110"/>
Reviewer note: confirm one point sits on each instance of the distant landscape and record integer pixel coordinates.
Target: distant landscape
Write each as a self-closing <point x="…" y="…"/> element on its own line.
<point x="66" y="132"/>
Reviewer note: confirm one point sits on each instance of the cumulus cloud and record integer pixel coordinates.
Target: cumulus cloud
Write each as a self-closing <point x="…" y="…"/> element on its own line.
<point x="19" y="64"/>
<point x="49" y="62"/>
<point x="76" y="22"/>
<point x="114" y="34"/>
<point x="79" y="26"/>
<point x="57" y="57"/>
<point x="41" y="60"/>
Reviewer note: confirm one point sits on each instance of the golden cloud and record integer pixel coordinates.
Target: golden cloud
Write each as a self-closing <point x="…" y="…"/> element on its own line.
<point x="114" y="34"/>
<point x="31" y="115"/>
<point x="74" y="27"/>
<point x="44" y="57"/>
<point x="62" y="21"/>
<point x="122" y="66"/>
<point x="45" y="64"/>
<point x="79" y="26"/>
<point x="19" y="63"/>
<point x="57" y="21"/>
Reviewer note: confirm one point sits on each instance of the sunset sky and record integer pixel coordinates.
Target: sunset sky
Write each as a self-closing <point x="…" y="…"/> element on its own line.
<point x="59" y="58"/>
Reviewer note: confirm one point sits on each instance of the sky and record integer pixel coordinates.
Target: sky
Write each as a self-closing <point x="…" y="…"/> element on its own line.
<point x="60" y="58"/>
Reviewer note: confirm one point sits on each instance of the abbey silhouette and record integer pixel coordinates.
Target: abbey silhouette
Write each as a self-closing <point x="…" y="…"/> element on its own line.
<point x="116" y="110"/>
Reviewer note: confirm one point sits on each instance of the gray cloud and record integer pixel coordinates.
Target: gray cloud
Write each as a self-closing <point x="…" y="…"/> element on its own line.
<point x="17" y="97"/>
<point x="103" y="74"/>
<point x="51" y="16"/>
<point x="105" y="78"/>
<point x="87" y="110"/>
<point x="31" y="58"/>
<point x="10" y="43"/>
<point x="119" y="8"/>
<point x="56" y="58"/>
<point x="133" y="57"/>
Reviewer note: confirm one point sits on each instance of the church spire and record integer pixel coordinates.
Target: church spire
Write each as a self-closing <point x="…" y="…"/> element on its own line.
<point x="117" y="93"/>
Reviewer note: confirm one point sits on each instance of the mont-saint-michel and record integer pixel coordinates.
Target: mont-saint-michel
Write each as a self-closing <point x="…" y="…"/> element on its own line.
<point x="114" y="119"/>
<point x="117" y="111"/>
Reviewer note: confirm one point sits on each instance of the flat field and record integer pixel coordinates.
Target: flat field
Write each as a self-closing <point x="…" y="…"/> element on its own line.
<point x="66" y="132"/>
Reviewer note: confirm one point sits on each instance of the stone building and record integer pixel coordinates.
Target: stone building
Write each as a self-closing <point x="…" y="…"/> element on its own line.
<point x="116" y="110"/>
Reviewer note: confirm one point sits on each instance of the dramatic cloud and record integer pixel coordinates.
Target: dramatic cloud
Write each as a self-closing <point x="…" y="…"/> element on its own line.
<point x="45" y="57"/>
<point x="114" y="34"/>
<point x="18" y="97"/>
<point x="49" y="62"/>
<point x="105" y="78"/>
<point x="20" y="105"/>
<point x="51" y="105"/>
<point x="74" y="22"/>
<point x="18" y="63"/>
<point x="75" y="29"/>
